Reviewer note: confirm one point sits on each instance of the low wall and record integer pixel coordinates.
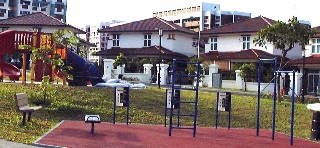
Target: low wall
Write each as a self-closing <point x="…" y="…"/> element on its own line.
<point x="231" y="84"/>
<point x="264" y="87"/>
<point x="137" y="77"/>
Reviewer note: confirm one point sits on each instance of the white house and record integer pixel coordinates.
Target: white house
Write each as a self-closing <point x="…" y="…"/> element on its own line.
<point x="144" y="34"/>
<point x="239" y="36"/>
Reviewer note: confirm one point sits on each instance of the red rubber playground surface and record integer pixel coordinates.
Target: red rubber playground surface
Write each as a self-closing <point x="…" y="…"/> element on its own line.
<point x="76" y="134"/>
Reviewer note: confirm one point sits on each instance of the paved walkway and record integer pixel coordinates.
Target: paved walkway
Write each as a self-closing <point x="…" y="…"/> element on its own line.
<point x="9" y="144"/>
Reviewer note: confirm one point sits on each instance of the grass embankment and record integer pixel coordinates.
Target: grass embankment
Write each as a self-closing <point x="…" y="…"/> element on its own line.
<point x="147" y="107"/>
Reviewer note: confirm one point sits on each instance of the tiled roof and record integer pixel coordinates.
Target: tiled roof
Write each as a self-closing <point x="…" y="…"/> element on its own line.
<point x="243" y="54"/>
<point x="244" y="26"/>
<point x="152" y="51"/>
<point x="317" y="35"/>
<point x="313" y="59"/>
<point x="147" y="25"/>
<point x="37" y="19"/>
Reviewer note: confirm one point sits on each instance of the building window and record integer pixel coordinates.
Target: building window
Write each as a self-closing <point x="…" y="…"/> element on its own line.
<point x="147" y="40"/>
<point x="316" y="45"/>
<point x="246" y="42"/>
<point x="214" y="43"/>
<point x="172" y="36"/>
<point x="116" y="40"/>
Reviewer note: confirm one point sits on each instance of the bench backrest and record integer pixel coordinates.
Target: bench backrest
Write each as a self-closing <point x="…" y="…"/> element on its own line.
<point x="21" y="99"/>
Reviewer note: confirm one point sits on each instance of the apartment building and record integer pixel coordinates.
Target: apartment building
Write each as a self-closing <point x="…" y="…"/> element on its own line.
<point x="201" y="16"/>
<point x="99" y="39"/>
<point x="13" y="8"/>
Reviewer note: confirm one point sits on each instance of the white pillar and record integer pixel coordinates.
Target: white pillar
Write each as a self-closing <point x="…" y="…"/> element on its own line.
<point x="213" y="68"/>
<point x="147" y="70"/>
<point x="282" y="79"/>
<point x="239" y="80"/>
<point x="163" y="73"/>
<point x="121" y="69"/>
<point x="298" y="83"/>
<point x="108" y="66"/>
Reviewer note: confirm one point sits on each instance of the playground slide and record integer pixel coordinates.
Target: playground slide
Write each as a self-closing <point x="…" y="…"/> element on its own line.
<point x="82" y="71"/>
<point x="11" y="71"/>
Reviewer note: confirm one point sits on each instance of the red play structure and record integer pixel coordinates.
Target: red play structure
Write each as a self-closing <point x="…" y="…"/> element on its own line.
<point x="10" y="41"/>
<point x="82" y="71"/>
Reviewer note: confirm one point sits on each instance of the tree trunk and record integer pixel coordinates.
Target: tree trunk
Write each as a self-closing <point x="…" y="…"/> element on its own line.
<point x="245" y="84"/>
<point x="284" y="53"/>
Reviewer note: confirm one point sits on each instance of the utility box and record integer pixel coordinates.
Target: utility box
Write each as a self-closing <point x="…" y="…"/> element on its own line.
<point x="224" y="101"/>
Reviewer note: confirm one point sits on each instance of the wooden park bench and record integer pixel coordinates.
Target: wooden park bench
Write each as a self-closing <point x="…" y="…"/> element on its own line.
<point x="24" y="107"/>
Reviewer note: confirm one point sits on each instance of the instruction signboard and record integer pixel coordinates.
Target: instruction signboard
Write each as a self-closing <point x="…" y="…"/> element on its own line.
<point x="176" y="98"/>
<point x="224" y="101"/>
<point x="169" y="92"/>
<point x="122" y="96"/>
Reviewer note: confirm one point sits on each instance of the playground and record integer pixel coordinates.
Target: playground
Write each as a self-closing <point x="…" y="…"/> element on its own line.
<point x="147" y="112"/>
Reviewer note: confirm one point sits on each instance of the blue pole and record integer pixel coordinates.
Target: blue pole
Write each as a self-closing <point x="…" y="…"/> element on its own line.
<point x="258" y="103"/>
<point x="274" y="98"/>
<point x="179" y="111"/>
<point x="114" y="105"/>
<point x="172" y="94"/>
<point x="229" y="117"/>
<point x="217" y="112"/>
<point x="292" y="107"/>
<point x="196" y="103"/>
<point x="165" y="109"/>
<point x="128" y="103"/>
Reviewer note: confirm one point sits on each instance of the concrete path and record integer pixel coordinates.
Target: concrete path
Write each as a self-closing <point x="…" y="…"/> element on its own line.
<point x="9" y="144"/>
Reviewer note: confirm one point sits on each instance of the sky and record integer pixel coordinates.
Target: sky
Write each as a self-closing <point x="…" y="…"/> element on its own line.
<point x="82" y="12"/>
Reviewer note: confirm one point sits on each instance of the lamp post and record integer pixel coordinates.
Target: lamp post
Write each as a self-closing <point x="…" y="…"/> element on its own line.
<point x="303" y="73"/>
<point x="160" y="35"/>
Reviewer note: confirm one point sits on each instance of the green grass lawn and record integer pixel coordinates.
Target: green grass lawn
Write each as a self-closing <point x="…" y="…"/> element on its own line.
<point x="147" y="107"/>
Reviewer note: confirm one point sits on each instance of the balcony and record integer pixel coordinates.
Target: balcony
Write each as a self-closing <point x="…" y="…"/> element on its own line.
<point x="191" y="24"/>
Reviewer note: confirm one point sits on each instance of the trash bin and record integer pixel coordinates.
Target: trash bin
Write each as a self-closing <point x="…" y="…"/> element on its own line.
<point x="315" y="130"/>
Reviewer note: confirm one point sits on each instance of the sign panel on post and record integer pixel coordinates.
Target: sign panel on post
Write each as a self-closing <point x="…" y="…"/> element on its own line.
<point x="224" y="101"/>
<point x="169" y="92"/>
<point x="122" y="96"/>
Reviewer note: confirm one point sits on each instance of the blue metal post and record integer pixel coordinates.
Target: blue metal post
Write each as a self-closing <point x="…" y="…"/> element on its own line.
<point x="292" y="107"/>
<point x="179" y="111"/>
<point x="196" y="101"/>
<point x="229" y="118"/>
<point x="126" y="89"/>
<point x="172" y="94"/>
<point x="258" y="103"/>
<point x="217" y="112"/>
<point x="165" y="109"/>
<point x="274" y="99"/>
<point x="114" y="105"/>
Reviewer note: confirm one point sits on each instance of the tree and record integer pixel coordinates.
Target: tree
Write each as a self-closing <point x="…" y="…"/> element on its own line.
<point x="284" y="36"/>
<point x="192" y="69"/>
<point x="120" y="61"/>
<point x="248" y="71"/>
